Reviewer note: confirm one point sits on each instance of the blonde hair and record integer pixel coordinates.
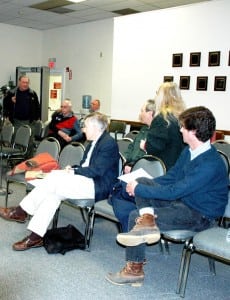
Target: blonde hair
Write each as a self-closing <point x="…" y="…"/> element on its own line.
<point x="169" y="101"/>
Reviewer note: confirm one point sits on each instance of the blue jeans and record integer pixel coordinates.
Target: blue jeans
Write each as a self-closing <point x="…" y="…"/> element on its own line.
<point x="122" y="204"/>
<point x="170" y="215"/>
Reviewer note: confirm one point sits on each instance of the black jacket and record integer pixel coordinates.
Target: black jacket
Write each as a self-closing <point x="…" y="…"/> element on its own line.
<point x="34" y="106"/>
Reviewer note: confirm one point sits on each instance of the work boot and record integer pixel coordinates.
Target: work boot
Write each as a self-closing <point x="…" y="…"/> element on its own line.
<point x="145" y="231"/>
<point x="131" y="274"/>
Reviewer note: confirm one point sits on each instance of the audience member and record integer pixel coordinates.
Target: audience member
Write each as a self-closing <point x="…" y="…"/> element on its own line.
<point x="21" y="107"/>
<point x="134" y="152"/>
<point x="64" y="125"/>
<point x="95" y="105"/>
<point x="164" y="139"/>
<point x="122" y="203"/>
<point x="190" y="196"/>
<point x="94" y="178"/>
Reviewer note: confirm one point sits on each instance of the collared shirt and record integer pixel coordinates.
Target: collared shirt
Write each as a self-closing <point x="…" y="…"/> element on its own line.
<point x="86" y="162"/>
<point x="199" y="150"/>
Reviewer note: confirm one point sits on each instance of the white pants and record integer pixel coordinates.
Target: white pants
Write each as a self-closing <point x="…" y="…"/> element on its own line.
<point x="43" y="201"/>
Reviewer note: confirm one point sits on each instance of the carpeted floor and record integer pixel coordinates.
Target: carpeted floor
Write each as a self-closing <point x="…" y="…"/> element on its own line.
<point x="37" y="275"/>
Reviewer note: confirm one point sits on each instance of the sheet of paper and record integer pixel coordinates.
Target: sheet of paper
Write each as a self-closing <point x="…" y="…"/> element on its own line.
<point x="134" y="175"/>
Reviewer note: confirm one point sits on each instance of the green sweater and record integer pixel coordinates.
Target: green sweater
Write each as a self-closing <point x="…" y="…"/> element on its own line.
<point x="134" y="152"/>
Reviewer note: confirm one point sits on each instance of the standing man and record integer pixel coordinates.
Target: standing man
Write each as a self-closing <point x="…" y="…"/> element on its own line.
<point x="95" y="105"/>
<point x="21" y="107"/>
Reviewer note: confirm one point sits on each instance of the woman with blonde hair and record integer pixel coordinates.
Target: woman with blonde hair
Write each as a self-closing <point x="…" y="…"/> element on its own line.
<point x="164" y="139"/>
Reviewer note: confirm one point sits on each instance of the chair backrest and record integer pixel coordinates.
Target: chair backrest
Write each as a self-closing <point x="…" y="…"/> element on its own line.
<point x="22" y="137"/>
<point x="38" y="125"/>
<point x="223" y="146"/>
<point x="7" y="134"/>
<point x="45" y="129"/>
<point x="153" y="165"/>
<point x="227" y="208"/>
<point x="71" y="154"/>
<point x="225" y="160"/>
<point x="116" y="128"/>
<point x="123" y="145"/>
<point x="51" y="146"/>
<point x="132" y="134"/>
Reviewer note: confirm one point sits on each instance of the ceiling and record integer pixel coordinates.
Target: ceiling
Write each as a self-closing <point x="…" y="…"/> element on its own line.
<point x="43" y="15"/>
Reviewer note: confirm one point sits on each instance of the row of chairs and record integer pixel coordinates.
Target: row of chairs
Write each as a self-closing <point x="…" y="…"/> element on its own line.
<point x="155" y="167"/>
<point x="14" y="149"/>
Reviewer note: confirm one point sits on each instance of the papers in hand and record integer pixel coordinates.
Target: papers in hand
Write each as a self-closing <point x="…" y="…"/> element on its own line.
<point x="134" y="175"/>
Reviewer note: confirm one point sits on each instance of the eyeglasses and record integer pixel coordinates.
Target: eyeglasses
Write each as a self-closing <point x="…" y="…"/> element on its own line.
<point x="64" y="106"/>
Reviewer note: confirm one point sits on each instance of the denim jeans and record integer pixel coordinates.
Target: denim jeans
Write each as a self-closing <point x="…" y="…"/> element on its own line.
<point x="171" y="215"/>
<point x="122" y="204"/>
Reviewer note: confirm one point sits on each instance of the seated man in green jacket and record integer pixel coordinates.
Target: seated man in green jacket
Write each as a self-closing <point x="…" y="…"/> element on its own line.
<point x="134" y="152"/>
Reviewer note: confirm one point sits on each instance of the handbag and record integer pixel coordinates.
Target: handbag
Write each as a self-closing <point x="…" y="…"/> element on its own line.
<point x="42" y="162"/>
<point x="63" y="239"/>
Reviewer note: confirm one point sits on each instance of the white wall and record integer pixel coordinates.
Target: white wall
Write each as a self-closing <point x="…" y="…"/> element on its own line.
<point x="123" y="61"/>
<point x="142" y="55"/>
<point x="19" y="47"/>
<point x="87" y="50"/>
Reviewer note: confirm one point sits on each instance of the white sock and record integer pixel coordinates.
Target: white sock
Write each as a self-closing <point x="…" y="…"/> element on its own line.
<point x="146" y="210"/>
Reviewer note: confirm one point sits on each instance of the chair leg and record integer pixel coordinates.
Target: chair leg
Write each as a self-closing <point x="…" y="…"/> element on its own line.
<point x="7" y="193"/>
<point x="55" y="218"/>
<point x="212" y="267"/>
<point x="166" y="247"/>
<point x="89" y="218"/>
<point x="183" y="274"/>
<point x="182" y="266"/>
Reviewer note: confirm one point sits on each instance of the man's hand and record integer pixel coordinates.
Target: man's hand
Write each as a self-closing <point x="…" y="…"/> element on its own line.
<point x="130" y="187"/>
<point x="65" y="136"/>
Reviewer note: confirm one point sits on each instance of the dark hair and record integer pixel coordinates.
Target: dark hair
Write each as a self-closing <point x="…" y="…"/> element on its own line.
<point x="201" y="120"/>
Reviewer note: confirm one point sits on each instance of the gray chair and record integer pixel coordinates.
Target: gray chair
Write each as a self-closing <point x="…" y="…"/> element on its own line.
<point x="18" y="151"/>
<point x="87" y="208"/>
<point x="132" y="134"/>
<point x="38" y="126"/>
<point x="45" y="129"/>
<point x="123" y="145"/>
<point x="6" y="135"/>
<point x="152" y="165"/>
<point x="49" y="145"/>
<point x="210" y="243"/>
<point x="71" y="154"/>
<point x="223" y="146"/>
<point x="117" y="129"/>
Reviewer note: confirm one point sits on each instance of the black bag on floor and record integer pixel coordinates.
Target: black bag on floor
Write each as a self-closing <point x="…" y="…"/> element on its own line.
<point x="63" y="239"/>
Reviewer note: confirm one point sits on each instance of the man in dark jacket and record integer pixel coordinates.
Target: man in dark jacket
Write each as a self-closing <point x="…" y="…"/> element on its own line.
<point x="93" y="179"/>
<point x="21" y="107"/>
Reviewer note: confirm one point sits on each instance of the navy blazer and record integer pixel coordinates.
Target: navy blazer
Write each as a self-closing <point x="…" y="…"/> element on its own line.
<point x="103" y="166"/>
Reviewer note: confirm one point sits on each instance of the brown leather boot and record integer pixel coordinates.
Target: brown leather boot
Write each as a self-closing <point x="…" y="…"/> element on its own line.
<point x="131" y="274"/>
<point x="145" y="231"/>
